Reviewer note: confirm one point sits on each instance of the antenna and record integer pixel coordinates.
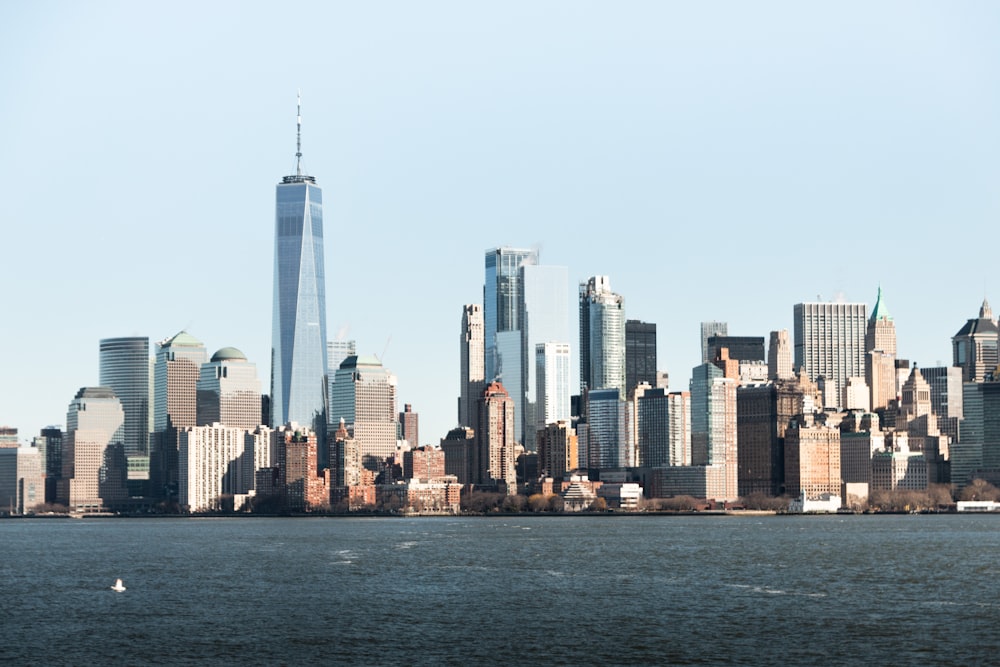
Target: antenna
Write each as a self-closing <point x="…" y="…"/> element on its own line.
<point x="387" y="341"/>
<point x="298" y="133"/>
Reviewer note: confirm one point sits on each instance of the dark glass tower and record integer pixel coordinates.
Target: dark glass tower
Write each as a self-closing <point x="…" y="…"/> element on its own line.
<point x="298" y="335"/>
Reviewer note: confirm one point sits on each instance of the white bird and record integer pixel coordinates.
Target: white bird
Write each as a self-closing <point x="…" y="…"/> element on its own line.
<point x="118" y="587"/>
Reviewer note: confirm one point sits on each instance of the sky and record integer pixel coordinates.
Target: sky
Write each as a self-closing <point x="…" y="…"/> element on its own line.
<point x="718" y="160"/>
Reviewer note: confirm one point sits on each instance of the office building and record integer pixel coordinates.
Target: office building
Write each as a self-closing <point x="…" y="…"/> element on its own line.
<point x="977" y="452"/>
<point x="298" y="333"/>
<point x="50" y="445"/>
<point x="22" y="482"/>
<point x="228" y="391"/>
<point x="336" y="352"/>
<point x="544" y="318"/>
<point x="830" y="343"/>
<point x="124" y="366"/>
<point x="472" y="379"/>
<point x="779" y="356"/>
<point x="502" y="301"/>
<point x="741" y="348"/>
<point x="709" y="329"/>
<point x="640" y="355"/>
<point x="364" y="396"/>
<point x="602" y="336"/>
<point x="975" y="346"/>
<point x="760" y="454"/>
<point x="175" y="406"/>
<point x="553" y="384"/>
<point x="946" y="397"/>
<point x="653" y="427"/>
<point x="94" y="475"/>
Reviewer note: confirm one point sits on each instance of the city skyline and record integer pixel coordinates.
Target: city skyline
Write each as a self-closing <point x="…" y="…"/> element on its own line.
<point x="784" y="131"/>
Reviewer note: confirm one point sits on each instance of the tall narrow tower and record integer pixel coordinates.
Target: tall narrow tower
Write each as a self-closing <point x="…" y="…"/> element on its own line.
<point x="298" y="335"/>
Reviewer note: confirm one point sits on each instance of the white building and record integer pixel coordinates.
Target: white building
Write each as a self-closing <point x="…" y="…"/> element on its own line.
<point x="217" y="461"/>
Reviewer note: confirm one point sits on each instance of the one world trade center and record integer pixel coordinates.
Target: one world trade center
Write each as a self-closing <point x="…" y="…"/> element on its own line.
<point x="298" y="335"/>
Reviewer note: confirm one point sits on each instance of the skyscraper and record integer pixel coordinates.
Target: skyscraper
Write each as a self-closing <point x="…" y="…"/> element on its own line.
<point x="602" y="336"/>
<point x="975" y="346"/>
<point x="228" y="391"/>
<point x="501" y="300"/>
<point x="298" y="334"/>
<point x="713" y="424"/>
<point x="830" y="342"/>
<point x="709" y="329"/>
<point x="364" y="396"/>
<point x="779" y="356"/>
<point x="544" y="318"/>
<point x="494" y="433"/>
<point x="880" y="355"/>
<point x="175" y="405"/>
<point x="94" y="468"/>
<point x="640" y="354"/>
<point x="473" y="371"/>
<point x="124" y="366"/>
<point x="552" y="393"/>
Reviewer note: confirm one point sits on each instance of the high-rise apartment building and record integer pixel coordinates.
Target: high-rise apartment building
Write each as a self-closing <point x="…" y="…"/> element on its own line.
<point x="602" y="336"/>
<point x="124" y="366"/>
<point x="409" y="423"/>
<point x="494" y="434"/>
<point x="553" y="384"/>
<point x="94" y="475"/>
<point x="364" y="396"/>
<point x="218" y="463"/>
<point x="709" y="329"/>
<point x="607" y="435"/>
<point x="975" y="346"/>
<point x="228" y="391"/>
<point x="680" y="427"/>
<point x="830" y="343"/>
<point x="298" y="334"/>
<point x="640" y="354"/>
<point x="544" y="318"/>
<point x="557" y="449"/>
<point x="779" y="356"/>
<point x="472" y="378"/>
<point x="812" y="459"/>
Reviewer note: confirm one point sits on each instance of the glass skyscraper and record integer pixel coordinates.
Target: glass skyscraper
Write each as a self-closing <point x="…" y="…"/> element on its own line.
<point x="298" y="335"/>
<point x="124" y="366"/>
<point x="502" y="298"/>
<point x="544" y="318"/>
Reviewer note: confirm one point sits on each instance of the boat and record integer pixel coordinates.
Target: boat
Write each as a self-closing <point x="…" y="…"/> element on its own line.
<point x="118" y="587"/>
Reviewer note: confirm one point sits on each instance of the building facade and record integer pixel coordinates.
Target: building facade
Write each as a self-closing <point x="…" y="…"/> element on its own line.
<point x="364" y="396"/>
<point x="494" y="434"/>
<point x="602" y="336"/>
<point x="779" y="356"/>
<point x="975" y="346"/>
<point x="298" y="331"/>
<point x="472" y="350"/>
<point x="830" y="343"/>
<point x="640" y="354"/>
<point x="554" y="385"/>
<point x="228" y="391"/>
<point x="94" y="475"/>
<point x="124" y="366"/>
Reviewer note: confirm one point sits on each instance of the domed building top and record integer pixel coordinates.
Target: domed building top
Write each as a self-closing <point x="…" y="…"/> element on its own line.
<point x="182" y="338"/>
<point x="228" y="354"/>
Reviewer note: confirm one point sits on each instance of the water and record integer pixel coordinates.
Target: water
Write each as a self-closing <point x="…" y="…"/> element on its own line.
<point x="515" y="590"/>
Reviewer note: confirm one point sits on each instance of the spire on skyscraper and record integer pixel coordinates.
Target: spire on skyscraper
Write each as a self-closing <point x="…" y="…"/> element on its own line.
<point x="298" y="177"/>
<point x="879" y="312"/>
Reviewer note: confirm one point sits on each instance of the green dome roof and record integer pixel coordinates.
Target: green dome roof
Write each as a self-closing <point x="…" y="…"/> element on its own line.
<point x="184" y="338"/>
<point x="229" y="354"/>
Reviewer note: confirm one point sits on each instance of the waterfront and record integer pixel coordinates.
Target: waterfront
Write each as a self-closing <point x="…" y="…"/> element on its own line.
<point x="510" y="590"/>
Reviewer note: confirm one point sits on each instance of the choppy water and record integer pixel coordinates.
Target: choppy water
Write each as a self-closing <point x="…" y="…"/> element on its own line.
<point x="567" y="590"/>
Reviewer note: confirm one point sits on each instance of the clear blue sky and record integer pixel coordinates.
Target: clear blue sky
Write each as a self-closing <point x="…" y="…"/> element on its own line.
<point x="719" y="160"/>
